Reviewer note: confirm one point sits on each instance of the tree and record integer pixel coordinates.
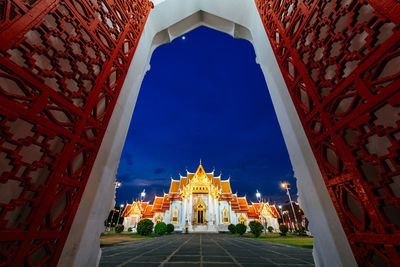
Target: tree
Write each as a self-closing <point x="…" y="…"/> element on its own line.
<point x="119" y="228"/>
<point x="241" y="228"/>
<point x="283" y="228"/>
<point x="256" y="228"/>
<point x="145" y="227"/>
<point x="232" y="228"/>
<point x="161" y="228"/>
<point x="270" y="229"/>
<point x="170" y="228"/>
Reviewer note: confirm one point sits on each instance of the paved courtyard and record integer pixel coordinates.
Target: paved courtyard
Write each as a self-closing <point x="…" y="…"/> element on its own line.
<point x="204" y="250"/>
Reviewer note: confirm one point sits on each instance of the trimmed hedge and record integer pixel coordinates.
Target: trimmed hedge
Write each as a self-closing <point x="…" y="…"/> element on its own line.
<point x="256" y="228"/>
<point x="270" y="229"/>
<point x="145" y="227"/>
<point x="241" y="228"/>
<point x="232" y="228"/>
<point x="160" y="228"/>
<point x="119" y="228"/>
<point x="283" y="228"/>
<point x="170" y="228"/>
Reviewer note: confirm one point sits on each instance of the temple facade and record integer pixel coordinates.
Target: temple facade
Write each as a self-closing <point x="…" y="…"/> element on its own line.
<point x="202" y="201"/>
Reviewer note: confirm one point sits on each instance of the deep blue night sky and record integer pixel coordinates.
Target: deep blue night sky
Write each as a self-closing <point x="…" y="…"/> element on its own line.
<point x="204" y="97"/>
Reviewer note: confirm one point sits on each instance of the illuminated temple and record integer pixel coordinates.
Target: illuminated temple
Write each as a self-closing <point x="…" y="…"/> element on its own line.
<point x="202" y="201"/>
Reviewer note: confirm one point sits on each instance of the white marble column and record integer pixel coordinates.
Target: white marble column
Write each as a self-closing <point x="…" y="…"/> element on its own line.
<point x="210" y="212"/>
<point x="190" y="213"/>
<point x="184" y="213"/>
<point x="217" y="211"/>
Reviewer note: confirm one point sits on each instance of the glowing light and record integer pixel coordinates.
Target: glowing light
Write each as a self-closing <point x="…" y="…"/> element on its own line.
<point x="122" y="205"/>
<point x="184" y="37"/>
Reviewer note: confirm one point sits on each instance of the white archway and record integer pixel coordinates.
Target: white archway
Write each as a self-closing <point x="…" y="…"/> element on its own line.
<point x="170" y="19"/>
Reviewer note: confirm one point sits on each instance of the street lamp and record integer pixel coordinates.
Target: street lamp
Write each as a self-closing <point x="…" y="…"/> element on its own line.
<point x="286" y="185"/>
<point x="142" y="195"/>
<point x="117" y="184"/>
<point x="120" y="211"/>
<point x="258" y="195"/>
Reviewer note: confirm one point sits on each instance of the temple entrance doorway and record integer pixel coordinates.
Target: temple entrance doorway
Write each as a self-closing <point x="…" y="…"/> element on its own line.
<point x="200" y="211"/>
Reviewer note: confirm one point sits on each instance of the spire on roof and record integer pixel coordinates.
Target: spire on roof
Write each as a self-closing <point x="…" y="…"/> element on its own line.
<point x="200" y="161"/>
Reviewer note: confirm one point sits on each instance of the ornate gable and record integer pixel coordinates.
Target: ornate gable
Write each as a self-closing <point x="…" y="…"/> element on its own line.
<point x="200" y="183"/>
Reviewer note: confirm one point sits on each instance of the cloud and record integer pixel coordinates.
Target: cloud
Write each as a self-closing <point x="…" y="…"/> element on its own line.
<point x="159" y="170"/>
<point x="148" y="182"/>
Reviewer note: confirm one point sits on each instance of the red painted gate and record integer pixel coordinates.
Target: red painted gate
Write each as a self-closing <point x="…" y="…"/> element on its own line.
<point x="341" y="62"/>
<point x="61" y="69"/>
<point x="62" y="66"/>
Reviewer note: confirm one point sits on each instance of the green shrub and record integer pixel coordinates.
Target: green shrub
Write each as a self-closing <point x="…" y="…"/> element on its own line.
<point x="160" y="228"/>
<point x="232" y="228"/>
<point x="241" y="228"/>
<point x="302" y="230"/>
<point x="130" y="229"/>
<point x="145" y="227"/>
<point x="256" y="228"/>
<point x="119" y="228"/>
<point x="283" y="228"/>
<point x="270" y="229"/>
<point x="170" y="228"/>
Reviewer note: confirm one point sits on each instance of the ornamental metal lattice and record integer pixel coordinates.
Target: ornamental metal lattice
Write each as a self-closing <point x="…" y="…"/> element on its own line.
<point x="341" y="63"/>
<point x="62" y="67"/>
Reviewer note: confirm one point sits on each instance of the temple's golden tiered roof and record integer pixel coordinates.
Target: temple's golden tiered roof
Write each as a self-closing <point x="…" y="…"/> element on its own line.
<point x="200" y="182"/>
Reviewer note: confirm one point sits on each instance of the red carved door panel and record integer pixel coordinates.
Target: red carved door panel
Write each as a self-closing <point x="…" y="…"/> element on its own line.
<point x="62" y="67"/>
<point x="341" y="63"/>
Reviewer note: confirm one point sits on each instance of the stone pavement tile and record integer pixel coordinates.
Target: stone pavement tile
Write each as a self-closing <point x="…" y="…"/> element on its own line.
<point x="160" y="252"/>
<point x="259" y="265"/>
<point x="288" y="261"/>
<point x="151" y="258"/>
<point x="217" y="259"/>
<point x="180" y="264"/>
<point x="256" y="260"/>
<point x="188" y="252"/>
<point x="226" y="264"/>
<point x="179" y="258"/>
<point x="217" y="252"/>
<point x="117" y="259"/>
<point x="141" y="264"/>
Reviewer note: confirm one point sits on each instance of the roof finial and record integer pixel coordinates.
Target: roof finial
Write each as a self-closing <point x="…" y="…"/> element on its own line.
<point x="200" y="161"/>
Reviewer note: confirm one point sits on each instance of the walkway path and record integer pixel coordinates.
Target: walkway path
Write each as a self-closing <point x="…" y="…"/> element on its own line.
<point x="204" y="250"/>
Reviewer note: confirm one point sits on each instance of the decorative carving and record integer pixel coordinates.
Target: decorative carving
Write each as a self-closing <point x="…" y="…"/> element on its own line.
<point x="340" y="61"/>
<point x="62" y="66"/>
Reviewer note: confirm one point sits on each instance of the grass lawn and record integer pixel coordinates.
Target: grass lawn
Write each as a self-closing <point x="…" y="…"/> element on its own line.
<point x="303" y="242"/>
<point x="290" y="239"/>
<point x="110" y="237"/>
<point x="132" y="235"/>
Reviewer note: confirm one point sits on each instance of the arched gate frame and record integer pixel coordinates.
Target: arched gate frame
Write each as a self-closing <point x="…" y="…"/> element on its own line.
<point x="62" y="67"/>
